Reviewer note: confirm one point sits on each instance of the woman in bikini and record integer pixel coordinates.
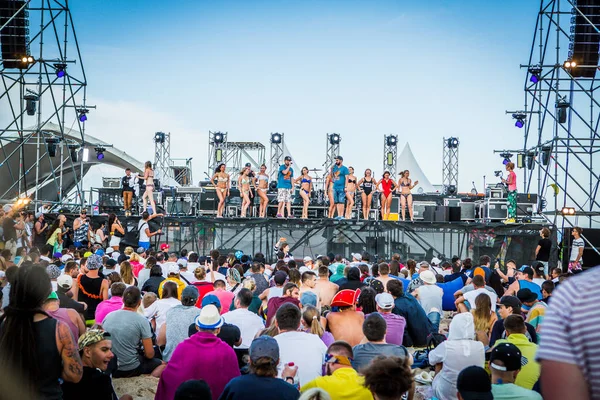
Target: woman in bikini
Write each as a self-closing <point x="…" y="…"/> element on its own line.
<point x="245" y="193"/>
<point x="329" y="191"/>
<point x="387" y="187"/>
<point x="305" y="190"/>
<point x="149" y="193"/>
<point x="222" y="187"/>
<point x="350" y="192"/>
<point x="262" y="180"/>
<point x="405" y="185"/>
<point x="368" y="185"/>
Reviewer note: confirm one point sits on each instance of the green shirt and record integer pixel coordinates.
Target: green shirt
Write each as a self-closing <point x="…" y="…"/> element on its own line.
<point x="530" y="373"/>
<point x="510" y="391"/>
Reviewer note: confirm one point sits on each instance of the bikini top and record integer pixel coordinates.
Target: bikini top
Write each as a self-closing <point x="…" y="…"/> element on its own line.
<point x="245" y="181"/>
<point x="263" y="178"/>
<point x="221" y="179"/>
<point x="405" y="185"/>
<point x="352" y="181"/>
<point x="304" y="180"/>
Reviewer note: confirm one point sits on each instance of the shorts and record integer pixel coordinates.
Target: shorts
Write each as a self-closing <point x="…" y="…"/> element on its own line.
<point x="145" y="245"/>
<point x="284" y="195"/>
<point x="114" y="241"/>
<point x="339" y="196"/>
<point x="147" y="365"/>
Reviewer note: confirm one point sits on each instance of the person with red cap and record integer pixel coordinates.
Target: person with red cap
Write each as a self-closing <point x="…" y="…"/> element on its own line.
<point x="346" y="324"/>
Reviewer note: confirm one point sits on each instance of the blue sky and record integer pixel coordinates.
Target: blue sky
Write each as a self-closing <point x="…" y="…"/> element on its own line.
<point x="422" y="70"/>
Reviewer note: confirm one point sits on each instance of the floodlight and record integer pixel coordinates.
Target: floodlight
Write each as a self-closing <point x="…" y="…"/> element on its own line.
<point x="159" y="137"/>
<point x="60" y="69"/>
<point x="506" y="156"/>
<point x="335" y="138"/>
<point x="536" y="73"/>
<point x="100" y="153"/>
<point x="520" y="117"/>
<point x="82" y="114"/>
<point x="452" y="143"/>
<point x="218" y="138"/>
<point x="391" y="140"/>
<point x="567" y="211"/>
<point x="276" y="138"/>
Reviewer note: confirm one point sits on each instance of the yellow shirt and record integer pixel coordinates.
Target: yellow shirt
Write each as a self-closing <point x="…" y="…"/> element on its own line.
<point x="530" y="373"/>
<point x="344" y="384"/>
<point x="179" y="282"/>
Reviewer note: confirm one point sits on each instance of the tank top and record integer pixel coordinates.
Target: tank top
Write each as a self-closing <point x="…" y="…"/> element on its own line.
<point x="430" y="296"/>
<point x="92" y="286"/>
<point x="62" y="315"/>
<point x="49" y="359"/>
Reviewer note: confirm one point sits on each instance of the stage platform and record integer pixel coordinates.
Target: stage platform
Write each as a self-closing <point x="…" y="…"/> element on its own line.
<point x="311" y="237"/>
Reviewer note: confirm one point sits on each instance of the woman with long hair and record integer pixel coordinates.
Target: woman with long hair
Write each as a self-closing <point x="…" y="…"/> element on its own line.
<point x="127" y="274"/>
<point x="55" y="233"/>
<point x="483" y="318"/>
<point x="149" y="192"/>
<point x="305" y="189"/>
<point x="387" y="187"/>
<point x="262" y="180"/>
<point x="221" y="186"/>
<point x="244" y="181"/>
<point x="367" y="185"/>
<point x="329" y="192"/>
<point x="366" y="300"/>
<point x="350" y="192"/>
<point x="511" y="183"/>
<point x="116" y="231"/>
<point x="39" y="349"/>
<point x="136" y="264"/>
<point x="311" y="320"/>
<point x="405" y="186"/>
<point x="99" y="237"/>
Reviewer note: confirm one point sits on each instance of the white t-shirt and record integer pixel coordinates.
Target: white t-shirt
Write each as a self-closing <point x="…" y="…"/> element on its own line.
<point x="472" y="295"/>
<point x="143" y="237"/>
<point x="305" y="350"/>
<point x="577" y="244"/>
<point x="248" y="322"/>
<point x="160" y="308"/>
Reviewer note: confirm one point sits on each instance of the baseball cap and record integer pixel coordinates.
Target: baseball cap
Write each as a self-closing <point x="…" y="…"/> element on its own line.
<point x="287" y="158"/>
<point x="435" y="261"/>
<point x="100" y="252"/>
<point x="511" y="301"/>
<point x="280" y="277"/>
<point x="474" y="383"/>
<point x="140" y="250"/>
<point x="209" y="318"/>
<point x="173" y="268"/>
<point x="164" y="246"/>
<point x="339" y="158"/>
<point x="111" y="263"/>
<point x="385" y="301"/>
<point x="182" y="262"/>
<point x="58" y="255"/>
<point x="358" y="256"/>
<point x="87" y="254"/>
<point x="510" y="355"/>
<point x="526" y="295"/>
<point x="109" y="251"/>
<point x="211" y="299"/>
<point x="377" y="285"/>
<point x="264" y="346"/>
<point x="307" y="259"/>
<point x="53" y="296"/>
<point x="424" y="264"/>
<point x="91" y="337"/>
<point x="190" y="291"/>
<point x="65" y="281"/>
<point x="428" y="277"/>
<point x="66" y="258"/>
<point x="248" y="164"/>
<point x="308" y="299"/>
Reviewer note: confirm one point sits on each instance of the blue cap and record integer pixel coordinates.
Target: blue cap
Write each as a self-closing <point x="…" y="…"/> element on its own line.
<point x="100" y="252"/>
<point x="308" y="299"/>
<point x="522" y="269"/>
<point x="211" y="299"/>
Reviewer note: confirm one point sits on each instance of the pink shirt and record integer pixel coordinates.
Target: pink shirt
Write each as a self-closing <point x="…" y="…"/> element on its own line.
<point x="107" y="306"/>
<point x="512" y="178"/>
<point x="225" y="297"/>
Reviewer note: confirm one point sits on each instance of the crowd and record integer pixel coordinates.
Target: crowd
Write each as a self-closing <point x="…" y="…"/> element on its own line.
<point x="231" y="326"/>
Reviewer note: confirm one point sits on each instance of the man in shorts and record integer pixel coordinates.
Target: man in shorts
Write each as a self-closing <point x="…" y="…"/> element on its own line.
<point x="340" y="179"/>
<point x="284" y="187"/>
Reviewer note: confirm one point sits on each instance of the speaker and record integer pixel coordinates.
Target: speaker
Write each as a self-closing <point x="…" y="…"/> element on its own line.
<point x="395" y="205"/>
<point x="209" y="201"/>
<point x="585" y="40"/>
<point x="375" y="245"/>
<point x="14" y="38"/>
<point x="454" y="214"/>
<point x="441" y="214"/>
<point x="429" y="213"/>
<point x="178" y="205"/>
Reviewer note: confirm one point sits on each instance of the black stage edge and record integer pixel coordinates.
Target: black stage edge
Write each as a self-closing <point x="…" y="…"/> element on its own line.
<point x="418" y="240"/>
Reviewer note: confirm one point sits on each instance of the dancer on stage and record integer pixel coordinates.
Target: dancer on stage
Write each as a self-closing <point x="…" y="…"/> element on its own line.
<point x="387" y="187"/>
<point x="222" y="187"/>
<point x="244" y="182"/>
<point x="329" y="193"/>
<point x="350" y="192"/>
<point x="340" y="180"/>
<point x="511" y="182"/>
<point x="128" y="186"/>
<point x="149" y="192"/>
<point x="284" y="188"/>
<point x="305" y="190"/>
<point x="262" y="182"/>
<point x="367" y="185"/>
<point x="405" y="185"/>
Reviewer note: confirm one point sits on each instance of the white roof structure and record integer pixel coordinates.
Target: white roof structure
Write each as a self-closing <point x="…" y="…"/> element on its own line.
<point x="406" y="160"/>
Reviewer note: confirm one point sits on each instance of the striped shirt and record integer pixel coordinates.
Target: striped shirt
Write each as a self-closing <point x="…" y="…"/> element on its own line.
<point x="569" y="332"/>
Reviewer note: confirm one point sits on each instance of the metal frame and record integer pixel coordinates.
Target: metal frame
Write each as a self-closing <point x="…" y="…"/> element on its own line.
<point x="162" y="158"/>
<point x="450" y="165"/>
<point x="393" y="149"/>
<point x="276" y="156"/>
<point x="213" y="149"/>
<point x="331" y="152"/>
<point x="54" y="41"/>
<point x="240" y="153"/>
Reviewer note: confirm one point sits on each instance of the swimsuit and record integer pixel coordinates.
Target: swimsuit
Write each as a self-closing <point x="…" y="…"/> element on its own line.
<point x="387" y="187"/>
<point x="150" y="181"/>
<point x="367" y="186"/>
<point x="402" y="184"/>
<point x="303" y="181"/>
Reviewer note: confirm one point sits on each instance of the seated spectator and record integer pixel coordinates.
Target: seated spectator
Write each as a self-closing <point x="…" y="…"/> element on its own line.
<point x="338" y="277"/>
<point x="506" y="362"/>
<point x="389" y="378"/>
<point x="194" y="389"/>
<point x="262" y="382"/>
<point x="536" y="308"/>
<point x="112" y="304"/>
<point x="374" y="329"/>
<point x="473" y="383"/>
<point x="515" y="328"/>
<point x="158" y="310"/>
<point x="303" y="349"/>
<point x="418" y="326"/>
<point x="156" y="278"/>
<point x="466" y="302"/>
<point x="416" y="280"/>
<point x="366" y="301"/>
<point x="64" y="284"/>
<point x="248" y="322"/>
<point x="309" y="283"/>
<point x="509" y="305"/>
<point x="311" y="320"/>
<point x="225" y="296"/>
<point x="484" y="318"/>
<point x="279" y="278"/>
<point x="353" y="281"/>
<point x="68" y="316"/>
<point x="173" y="276"/>
<point x="455" y="354"/>
<point x="228" y="333"/>
<point x="395" y="323"/>
<point x="258" y="274"/>
<point x="547" y="289"/>
<point x="95" y="349"/>
<point x="178" y="319"/>
<point x="346" y="323"/>
<point x="202" y="283"/>
<point x="524" y="281"/>
<point x="127" y="328"/>
<point x="456" y="273"/>
<point x="384" y="274"/>
<point x="291" y="294"/>
<point x="430" y="296"/>
<point x="202" y="356"/>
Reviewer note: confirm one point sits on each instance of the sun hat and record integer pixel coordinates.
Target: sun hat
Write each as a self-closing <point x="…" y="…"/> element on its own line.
<point x="209" y="318"/>
<point x="65" y="281"/>
<point x="53" y="271"/>
<point x="345" y="298"/>
<point x="385" y="301"/>
<point x="264" y="346"/>
<point x="428" y="277"/>
<point x="94" y="262"/>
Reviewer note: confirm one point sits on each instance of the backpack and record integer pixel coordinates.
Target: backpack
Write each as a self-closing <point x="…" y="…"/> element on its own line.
<point x="421" y="357"/>
<point x="132" y="236"/>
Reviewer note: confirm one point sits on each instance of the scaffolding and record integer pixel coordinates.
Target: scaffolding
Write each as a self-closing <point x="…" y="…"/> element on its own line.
<point x="450" y="164"/>
<point x="49" y="89"/>
<point x="162" y="157"/>
<point x="276" y="155"/>
<point x="332" y="150"/>
<point x="390" y="154"/>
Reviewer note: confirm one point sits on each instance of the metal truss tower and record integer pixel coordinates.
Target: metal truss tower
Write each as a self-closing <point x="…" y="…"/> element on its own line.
<point x="562" y="112"/>
<point x="162" y="156"/>
<point x="450" y="164"/>
<point x="217" y="150"/>
<point x="43" y="98"/>
<point x="390" y="154"/>
<point x="332" y="150"/>
<point x="276" y="155"/>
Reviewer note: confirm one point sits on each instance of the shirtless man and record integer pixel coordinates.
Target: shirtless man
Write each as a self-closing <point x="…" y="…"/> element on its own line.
<point x="384" y="271"/>
<point x="326" y="288"/>
<point x="346" y="324"/>
<point x="309" y="282"/>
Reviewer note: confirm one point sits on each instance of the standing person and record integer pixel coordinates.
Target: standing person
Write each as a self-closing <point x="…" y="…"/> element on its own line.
<point x="11" y="223"/>
<point x="127" y="186"/>
<point x="92" y="288"/>
<point x="367" y="185"/>
<point x="511" y="182"/>
<point x="351" y="192"/>
<point x="387" y="187"/>
<point x="40" y="226"/>
<point x="221" y="187"/>
<point x="144" y="229"/>
<point x="116" y="231"/>
<point x="35" y="347"/>
<point x="542" y="251"/>
<point x="55" y="233"/>
<point x="262" y="180"/>
<point x="81" y="230"/>
<point x="244" y="183"/>
<point x="405" y="185"/>
<point x="284" y="188"/>
<point x="329" y="192"/>
<point x="576" y="258"/>
<point x="305" y="190"/>
<point x="340" y="180"/>
<point x="149" y="192"/>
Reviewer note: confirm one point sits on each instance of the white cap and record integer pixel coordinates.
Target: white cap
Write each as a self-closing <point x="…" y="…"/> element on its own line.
<point x="357" y="256"/>
<point x="65" y="281"/>
<point x="173" y="268"/>
<point x="109" y="251"/>
<point x="385" y="301"/>
<point x="307" y="259"/>
<point x="66" y="258"/>
<point x="435" y="261"/>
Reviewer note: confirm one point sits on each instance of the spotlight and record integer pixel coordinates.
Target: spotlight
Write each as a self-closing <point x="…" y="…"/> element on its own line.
<point x="520" y="117"/>
<point x="451" y="190"/>
<point x="60" y="69"/>
<point x="100" y="153"/>
<point x="546" y="155"/>
<point x="567" y="211"/>
<point x="335" y="138"/>
<point x="27" y="61"/>
<point x="218" y="138"/>
<point x="159" y="137"/>
<point x="452" y="143"/>
<point x="51" y="146"/>
<point x="542" y="203"/>
<point x="276" y="138"/>
<point x="389" y="158"/>
<point x="73" y="150"/>
<point x="506" y="156"/>
<point x="570" y="64"/>
<point x="30" y="103"/>
<point x="536" y="73"/>
<point x="530" y="159"/>
<point x="82" y="114"/>
<point x="561" y="106"/>
<point x="391" y="140"/>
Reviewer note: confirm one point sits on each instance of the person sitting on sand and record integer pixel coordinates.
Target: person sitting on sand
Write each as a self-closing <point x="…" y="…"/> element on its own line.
<point x="346" y="324"/>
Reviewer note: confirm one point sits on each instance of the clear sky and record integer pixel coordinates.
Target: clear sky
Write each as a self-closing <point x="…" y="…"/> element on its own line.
<point x="421" y="69"/>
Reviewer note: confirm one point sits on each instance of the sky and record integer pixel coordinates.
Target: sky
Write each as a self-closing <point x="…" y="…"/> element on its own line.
<point x="422" y="70"/>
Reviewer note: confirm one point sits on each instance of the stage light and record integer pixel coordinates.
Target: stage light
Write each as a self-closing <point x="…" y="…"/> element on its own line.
<point x="335" y="138"/>
<point x="536" y="73"/>
<point x="28" y="60"/>
<point x="451" y="190"/>
<point x="30" y="103"/>
<point x="391" y="140"/>
<point x="82" y="114"/>
<point x="546" y="155"/>
<point x="73" y="150"/>
<point x="218" y="138"/>
<point x="100" y="153"/>
<point x="60" y="69"/>
<point x="520" y="117"/>
<point x="389" y="158"/>
<point x="51" y="146"/>
<point x="218" y="155"/>
<point x="276" y="138"/>
<point x="452" y="143"/>
<point x="561" y="106"/>
<point x="530" y="160"/>
<point x="567" y="211"/>
<point x="570" y="64"/>
<point x="506" y="156"/>
<point x="85" y="157"/>
<point x="159" y="137"/>
<point x="520" y="160"/>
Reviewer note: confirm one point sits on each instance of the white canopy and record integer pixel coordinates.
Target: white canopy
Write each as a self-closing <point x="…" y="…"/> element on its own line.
<point x="407" y="160"/>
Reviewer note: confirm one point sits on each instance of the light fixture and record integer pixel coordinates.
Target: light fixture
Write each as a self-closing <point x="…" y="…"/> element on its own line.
<point x="51" y="146"/>
<point x="276" y="138"/>
<point x="219" y="155"/>
<point x="218" y="138"/>
<point x="73" y="150"/>
<point x="159" y="137"/>
<point x="30" y="103"/>
<point x="570" y="64"/>
<point x="520" y="117"/>
<point x="82" y="114"/>
<point x="530" y="159"/>
<point x="391" y="140"/>
<point x="389" y="158"/>
<point x="452" y="143"/>
<point x="27" y="61"/>
<point x="561" y="106"/>
<point x="546" y="155"/>
<point x="536" y="73"/>
<point x="100" y="153"/>
<point x="520" y="160"/>
<point x="85" y="156"/>
<point x="506" y="156"/>
<point x="334" y="139"/>
<point x="60" y="69"/>
<point x="567" y="211"/>
<point x="451" y="190"/>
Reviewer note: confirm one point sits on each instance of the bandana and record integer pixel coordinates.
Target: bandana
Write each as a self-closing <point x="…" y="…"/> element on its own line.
<point x="343" y="360"/>
<point x="91" y="337"/>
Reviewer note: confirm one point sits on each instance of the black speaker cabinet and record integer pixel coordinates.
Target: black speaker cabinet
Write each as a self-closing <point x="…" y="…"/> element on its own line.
<point x="454" y="214"/>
